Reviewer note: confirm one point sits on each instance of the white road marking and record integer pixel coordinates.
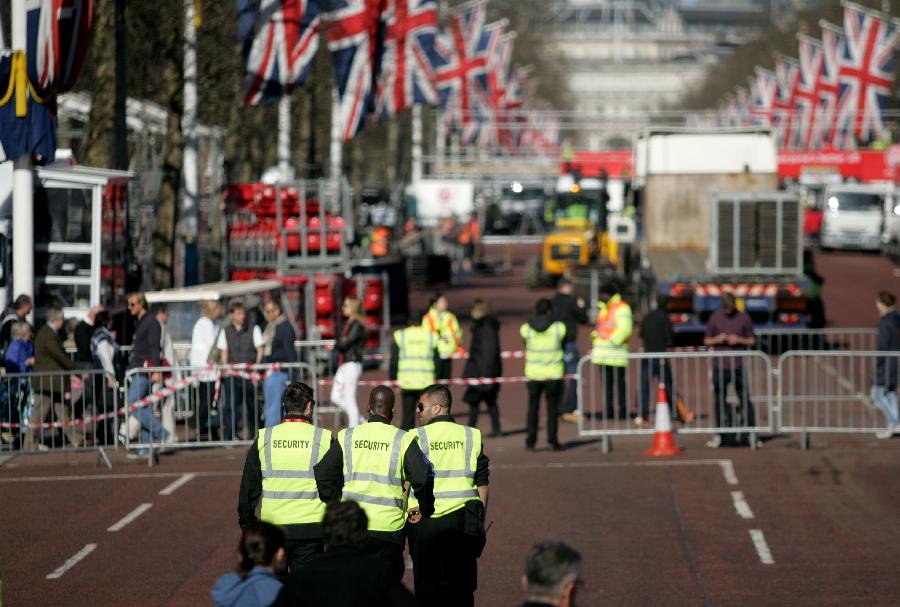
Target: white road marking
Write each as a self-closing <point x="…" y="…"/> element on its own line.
<point x="740" y="505"/>
<point x="728" y="471"/>
<point x="78" y="556"/>
<point x="110" y="477"/>
<point x="762" y="548"/>
<point x="130" y="517"/>
<point x="185" y="478"/>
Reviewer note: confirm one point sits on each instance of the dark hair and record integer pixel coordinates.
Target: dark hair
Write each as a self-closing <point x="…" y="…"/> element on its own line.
<point x="549" y="565"/>
<point x="727" y="298"/>
<point x="543" y="306"/>
<point x="434" y="298"/>
<point x="887" y="298"/>
<point x="103" y="320"/>
<point x="22" y="301"/>
<point x="296" y="396"/>
<point x="274" y="303"/>
<point x="607" y="288"/>
<point x="259" y="543"/>
<point x="159" y="307"/>
<point x="439" y="394"/>
<point x="564" y="282"/>
<point x="415" y="318"/>
<point x="344" y="524"/>
<point x="236" y="304"/>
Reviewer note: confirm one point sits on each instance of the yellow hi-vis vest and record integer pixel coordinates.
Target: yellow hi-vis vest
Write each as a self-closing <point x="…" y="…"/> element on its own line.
<point x="287" y="454"/>
<point x="544" y="351"/>
<point x="445" y="327"/>
<point x="415" y="367"/>
<point x="373" y="472"/>
<point x="611" y="335"/>
<point x="453" y="451"/>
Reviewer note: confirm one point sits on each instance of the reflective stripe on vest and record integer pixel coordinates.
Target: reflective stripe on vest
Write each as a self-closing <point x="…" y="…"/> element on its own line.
<point x="415" y="365"/>
<point x="289" y="494"/>
<point x="373" y="473"/>
<point x="544" y="352"/>
<point x="454" y="481"/>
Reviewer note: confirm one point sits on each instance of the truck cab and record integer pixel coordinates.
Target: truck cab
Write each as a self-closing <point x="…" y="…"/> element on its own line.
<point x="854" y="216"/>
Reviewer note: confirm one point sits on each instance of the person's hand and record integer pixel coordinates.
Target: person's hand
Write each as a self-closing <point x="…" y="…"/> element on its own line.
<point x="580" y="302"/>
<point x="29" y="362"/>
<point x="733" y="340"/>
<point x="110" y="383"/>
<point x="723" y="338"/>
<point x="414" y="516"/>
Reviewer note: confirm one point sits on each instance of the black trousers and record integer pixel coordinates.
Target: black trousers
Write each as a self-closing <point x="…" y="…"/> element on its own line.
<point x="742" y="415"/>
<point x="490" y="400"/>
<point x="410" y="399"/>
<point x="553" y="388"/>
<point x="650" y="368"/>
<point x="389" y="552"/>
<point x="614" y="381"/>
<point x="237" y="404"/>
<point x="443" y="367"/>
<point x="445" y="569"/>
<point x="301" y="552"/>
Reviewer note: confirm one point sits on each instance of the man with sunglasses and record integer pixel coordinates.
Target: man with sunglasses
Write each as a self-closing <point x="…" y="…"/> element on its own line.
<point x="445" y="547"/>
<point x="374" y="464"/>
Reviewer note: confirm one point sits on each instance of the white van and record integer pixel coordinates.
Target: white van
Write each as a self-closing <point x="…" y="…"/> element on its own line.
<point x="854" y="216"/>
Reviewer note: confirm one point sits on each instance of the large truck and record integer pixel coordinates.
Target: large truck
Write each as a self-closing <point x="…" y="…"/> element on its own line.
<point x="713" y="221"/>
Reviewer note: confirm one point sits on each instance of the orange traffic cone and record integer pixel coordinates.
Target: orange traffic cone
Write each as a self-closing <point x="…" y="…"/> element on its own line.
<point x="663" y="444"/>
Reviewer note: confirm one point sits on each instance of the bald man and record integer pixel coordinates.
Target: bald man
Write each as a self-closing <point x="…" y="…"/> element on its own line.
<point x="370" y="464"/>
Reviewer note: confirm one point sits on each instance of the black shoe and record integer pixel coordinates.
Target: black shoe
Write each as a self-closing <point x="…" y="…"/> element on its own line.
<point x="556" y="447"/>
<point x="529" y="448"/>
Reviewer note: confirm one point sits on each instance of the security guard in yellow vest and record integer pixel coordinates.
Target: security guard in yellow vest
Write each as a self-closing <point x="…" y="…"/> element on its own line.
<point x="370" y="464"/>
<point x="544" y="369"/>
<point x="278" y="476"/>
<point x="610" y="347"/>
<point x="413" y="353"/>
<point x="444" y="325"/>
<point x="444" y="548"/>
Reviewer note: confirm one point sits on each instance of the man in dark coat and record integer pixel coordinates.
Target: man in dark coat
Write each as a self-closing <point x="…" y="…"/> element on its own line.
<point x="484" y="361"/>
<point x="571" y="311"/>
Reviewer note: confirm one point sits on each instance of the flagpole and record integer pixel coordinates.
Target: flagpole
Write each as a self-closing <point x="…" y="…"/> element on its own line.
<point x="190" y="169"/>
<point x="416" y="155"/>
<point x="23" y="195"/>
<point x="336" y="144"/>
<point x="284" y="138"/>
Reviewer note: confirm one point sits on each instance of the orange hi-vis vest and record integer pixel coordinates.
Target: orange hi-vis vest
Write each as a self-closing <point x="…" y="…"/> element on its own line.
<point x="606" y="320"/>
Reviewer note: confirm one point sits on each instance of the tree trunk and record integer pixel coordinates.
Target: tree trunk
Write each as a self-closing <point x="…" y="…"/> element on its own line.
<point x="99" y="145"/>
<point x="166" y="212"/>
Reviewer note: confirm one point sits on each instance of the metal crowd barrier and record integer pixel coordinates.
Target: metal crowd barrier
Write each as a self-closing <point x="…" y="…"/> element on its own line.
<point x="210" y="406"/>
<point x="835" y="391"/>
<point x="709" y="393"/>
<point x="778" y="341"/>
<point x="58" y="411"/>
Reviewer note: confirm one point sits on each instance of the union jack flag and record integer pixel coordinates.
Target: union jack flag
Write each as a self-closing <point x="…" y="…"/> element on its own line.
<point x="460" y="60"/>
<point x="407" y="75"/>
<point x="355" y="36"/>
<point x="866" y="72"/>
<point x="827" y="114"/>
<point x="763" y="88"/>
<point x="279" y="39"/>
<point x="787" y="78"/>
<point x="481" y="126"/>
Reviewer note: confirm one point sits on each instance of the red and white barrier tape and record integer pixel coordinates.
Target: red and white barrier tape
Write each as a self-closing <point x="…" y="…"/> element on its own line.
<point x="461" y="381"/>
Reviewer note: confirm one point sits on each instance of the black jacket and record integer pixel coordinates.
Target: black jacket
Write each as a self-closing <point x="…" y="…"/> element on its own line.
<point x="567" y="311"/>
<point x="656" y="331"/>
<point x="417" y="470"/>
<point x="352" y="343"/>
<point x="888" y="341"/>
<point x="283" y="350"/>
<point x="147" y="337"/>
<point x="484" y="358"/>
<point x="345" y="577"/>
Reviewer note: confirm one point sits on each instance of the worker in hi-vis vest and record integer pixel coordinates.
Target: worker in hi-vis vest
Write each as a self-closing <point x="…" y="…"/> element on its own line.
<point x="373" y="464"/>
<point x="445" y="547"/>
<point x="610" y="346"/>
<point x="413" y="352"/>
<point x="544" y="369"/>
<point x="444" y="325"/>
<point x="278" y="476"/>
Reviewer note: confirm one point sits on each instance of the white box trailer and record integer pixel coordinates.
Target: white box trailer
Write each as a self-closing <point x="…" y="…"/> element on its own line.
<point x="440" y="198"/>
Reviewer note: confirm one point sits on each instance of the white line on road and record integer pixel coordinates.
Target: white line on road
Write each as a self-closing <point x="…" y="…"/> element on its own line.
<point x="740" y="505"/>
<point x="61" y="571"/>
<point x="185" y="478"/>
<point x="762" y="548"/>
<point x="130" y="517"/>
<point x="728" y="471"/>
<point x="110" y="477"/>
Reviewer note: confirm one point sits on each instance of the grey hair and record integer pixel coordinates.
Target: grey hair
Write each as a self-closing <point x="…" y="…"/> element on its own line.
<point x="19" y="330"/>
<point x="54" y="313"/>
<point x="549" y="567"/>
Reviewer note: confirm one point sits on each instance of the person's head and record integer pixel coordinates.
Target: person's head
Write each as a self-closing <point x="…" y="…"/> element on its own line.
<point x="238" y="312"/>
<point x="352" y="309"/>
<point x="605" y="292"/>
<point x="439" y="302"/>
<point x="414" y="319"/>
<point x="262" y="545"/>
<point x="55" y="317"/>
<point x="92" y="313"/>
<point x="211" y="309"/>
<point x="552" y="573"/>
<point x="344" y="524"/>
<point x="662" y="301"/>
<point x="22" y="305"/>
<point x="728" y="303"/>
<point x="137" y="304"/>
<point x="543" y="307"/>
<point x="435" y="400"/>
<point x="20" y="330"/>
<point x="272" y="310"/>
<point x="565" y="286"/>
<point x="298" y="399"/>
<point x="480" y="309"/>
<point x="103" y="320"/>
<point x="161" y="312"/>
<point x="381" y="402"/>
<point x="885" y="301"/>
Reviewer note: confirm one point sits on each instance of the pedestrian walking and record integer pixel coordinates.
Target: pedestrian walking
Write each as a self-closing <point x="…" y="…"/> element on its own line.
<point x="15" y="392"/>
<point x="571" y="311"/>
<point x="278" y="477"/>
<point x="552" y="575"/>
<point x="484" y="361"/>
<point x="106" y="355"/>
<point x="657" y="336"/>
<point x="730" y="330"/>
<point x="261" y="560"/>
<point x="168" y="358"/>
<point x="884" y="387"/>
<point x="84" y="331"/>
<point x="204" y="353"/>
<point x="413" y="353"/>
<point x="239" y="344"/>
<point x="278" y="347"/>
<point x="374" y="464"/>
<point x="21" y="308"/>
<point x="445" y="547"/>
<point x="610" y="348"/>
<point x="544" y="370"/>
<point x="443" y="324"/>
<point x="351" y="346"/>
<point x="145" y="353"/>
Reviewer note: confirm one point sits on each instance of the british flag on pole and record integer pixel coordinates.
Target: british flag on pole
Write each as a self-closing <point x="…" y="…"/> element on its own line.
<point x="787" y="79"/>
<point x="481" y="126"/>
<point x="279" y="39"/>
<point x="827" y="115"/>
<point x="762" y="89"/>
<point x="459" y="62"/>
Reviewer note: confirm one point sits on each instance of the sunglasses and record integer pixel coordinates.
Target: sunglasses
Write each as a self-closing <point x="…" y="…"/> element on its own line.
<point x="420" y="406"/>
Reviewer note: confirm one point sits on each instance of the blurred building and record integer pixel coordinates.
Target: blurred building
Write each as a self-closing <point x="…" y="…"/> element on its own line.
<point x="630" y="60"/>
